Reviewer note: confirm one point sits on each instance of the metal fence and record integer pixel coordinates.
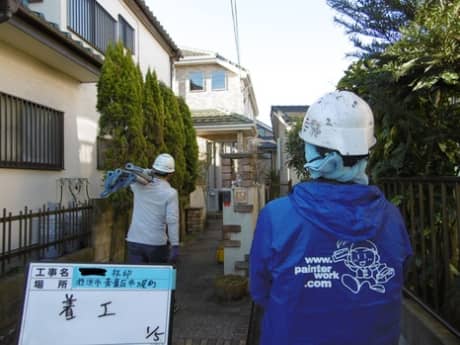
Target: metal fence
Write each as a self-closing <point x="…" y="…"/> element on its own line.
<point x="44" y="234"/>
<point x="431" y="209"/>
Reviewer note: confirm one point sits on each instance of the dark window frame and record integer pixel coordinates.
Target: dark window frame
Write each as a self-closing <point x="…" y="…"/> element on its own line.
<point x="90" y="21"/>
<point x="126" y="33"/>
<point x="31" y="135"/>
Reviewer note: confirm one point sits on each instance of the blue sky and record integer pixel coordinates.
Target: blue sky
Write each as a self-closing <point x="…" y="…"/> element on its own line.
<point x="293" y="49"/>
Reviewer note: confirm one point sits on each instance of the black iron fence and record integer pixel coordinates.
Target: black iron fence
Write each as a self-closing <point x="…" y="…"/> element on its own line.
<point x="43" y="234"/>
<point x="431" y="209"/>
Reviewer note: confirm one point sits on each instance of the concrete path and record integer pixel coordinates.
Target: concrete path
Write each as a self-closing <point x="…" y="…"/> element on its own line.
<point x="202" y="319"/>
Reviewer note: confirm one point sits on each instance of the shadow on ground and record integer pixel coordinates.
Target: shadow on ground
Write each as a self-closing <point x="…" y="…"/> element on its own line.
<point x="202" y="318"/>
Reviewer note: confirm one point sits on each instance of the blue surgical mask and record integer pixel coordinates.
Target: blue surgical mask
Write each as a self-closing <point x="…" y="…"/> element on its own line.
<point x="331" y="167"/>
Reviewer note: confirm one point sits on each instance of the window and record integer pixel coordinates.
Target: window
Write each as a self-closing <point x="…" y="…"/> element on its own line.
<point x="126" y="34"/>
<point x="196" y="81"/>
<point x="218" y="80"/>
<point x="31" y="135"/>
<point x="91" y="22"/>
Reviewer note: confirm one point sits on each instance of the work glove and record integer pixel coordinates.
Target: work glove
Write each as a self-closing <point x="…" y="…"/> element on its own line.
<point x="173" y="254"/>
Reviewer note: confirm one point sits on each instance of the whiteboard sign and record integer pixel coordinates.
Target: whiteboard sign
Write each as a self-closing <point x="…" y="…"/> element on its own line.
<point x="97" y="304"/>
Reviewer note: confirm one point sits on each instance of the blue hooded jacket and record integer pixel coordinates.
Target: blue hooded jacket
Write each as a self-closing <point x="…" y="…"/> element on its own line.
<point x="326" y="264"/>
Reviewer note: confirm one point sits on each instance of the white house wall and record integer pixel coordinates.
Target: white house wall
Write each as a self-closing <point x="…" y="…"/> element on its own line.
<point x="151" y="55"/>
<point x="55" y="11"/>
<point x="248" y="105"/>
<point x="24" y="77"/>
<point x="147" y="51"/>
<point x="229" y="100"/>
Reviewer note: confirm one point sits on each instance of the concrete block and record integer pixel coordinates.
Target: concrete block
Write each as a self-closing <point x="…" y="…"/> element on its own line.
<point x="243" y="208"/>
<point x="231" y="243"/>
<point x="231" y="228"/>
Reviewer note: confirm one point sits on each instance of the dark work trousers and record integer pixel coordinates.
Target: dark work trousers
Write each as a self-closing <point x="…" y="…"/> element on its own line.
<point x="144" y="254"/>
<point x="139" y="253"/>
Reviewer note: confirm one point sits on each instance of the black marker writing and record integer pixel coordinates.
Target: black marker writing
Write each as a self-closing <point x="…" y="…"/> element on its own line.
<point x="105" y="310"/>
<point x="155" y="333"/>
<point x="68" y="305"/>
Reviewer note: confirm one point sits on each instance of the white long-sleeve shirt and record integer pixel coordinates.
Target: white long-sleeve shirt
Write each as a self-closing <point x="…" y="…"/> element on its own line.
<point x="155" y="206"/>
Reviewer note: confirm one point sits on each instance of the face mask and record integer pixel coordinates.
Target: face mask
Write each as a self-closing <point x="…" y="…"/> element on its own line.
<point x="331" y="167"/>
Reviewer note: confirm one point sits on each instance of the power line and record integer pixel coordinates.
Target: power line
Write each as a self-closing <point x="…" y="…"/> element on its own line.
<point x="235" y="29"/>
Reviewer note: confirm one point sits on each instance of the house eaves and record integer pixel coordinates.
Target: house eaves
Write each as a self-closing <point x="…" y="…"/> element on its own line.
<point x="29" y="32"/>
<point x="252" y="95"/>
<point x="194" y="61"/>
<point x="145" y="15"/>
<point x="286" y="115"/>
<point x="193" y="57"/>
<point x="223" y="123"/>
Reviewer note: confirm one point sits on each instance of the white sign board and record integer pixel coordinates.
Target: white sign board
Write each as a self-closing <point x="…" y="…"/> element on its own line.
<point x="97" y="304"/>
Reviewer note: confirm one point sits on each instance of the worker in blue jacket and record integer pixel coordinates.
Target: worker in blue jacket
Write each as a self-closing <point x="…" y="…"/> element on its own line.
<point x="326" y="262"/>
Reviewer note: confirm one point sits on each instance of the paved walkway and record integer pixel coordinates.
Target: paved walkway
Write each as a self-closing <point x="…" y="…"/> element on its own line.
<point x="202" y="319"/>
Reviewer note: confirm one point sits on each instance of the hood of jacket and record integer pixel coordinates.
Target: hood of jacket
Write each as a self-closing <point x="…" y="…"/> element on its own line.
<point x="350" y="212"/>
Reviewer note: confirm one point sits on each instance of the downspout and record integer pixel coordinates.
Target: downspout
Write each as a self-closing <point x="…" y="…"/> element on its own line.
<point x="172" y="69"/>
<point x="7" y="9"/>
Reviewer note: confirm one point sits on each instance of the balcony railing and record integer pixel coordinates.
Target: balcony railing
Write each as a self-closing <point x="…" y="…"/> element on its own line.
<point x="91" y="22"/>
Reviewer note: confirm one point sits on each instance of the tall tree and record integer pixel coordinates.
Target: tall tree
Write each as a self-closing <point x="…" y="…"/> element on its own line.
<point x="119" y="101"/>
<point x="295" y="148"/>
<point x="373" y="24"/>
<point x="427" y="60"/>
<point x="174" y="135"/>
<point x="153" y="116"/>
<point x="190" y="149"/>
<point x="413" y="89"/>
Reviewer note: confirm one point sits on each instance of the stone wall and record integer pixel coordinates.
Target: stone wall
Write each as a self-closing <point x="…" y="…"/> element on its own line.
<point x="239" y="167"/>
<point x="194" y="219"/>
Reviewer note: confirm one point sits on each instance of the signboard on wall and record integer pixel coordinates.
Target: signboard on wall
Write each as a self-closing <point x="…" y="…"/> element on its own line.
<point x="94" y="304"/>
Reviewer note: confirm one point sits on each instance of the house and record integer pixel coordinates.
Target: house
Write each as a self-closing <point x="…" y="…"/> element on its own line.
<point x="266" y="152"/>
<point x="51" y="53"/>
<point x="283" y="117"/>
<point x="221" y="98"/>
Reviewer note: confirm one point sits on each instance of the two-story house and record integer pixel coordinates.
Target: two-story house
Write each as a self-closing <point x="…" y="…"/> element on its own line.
<point x="51" y="53"/>
<point x="221" y="98"/>
<point x="283" y="117"/>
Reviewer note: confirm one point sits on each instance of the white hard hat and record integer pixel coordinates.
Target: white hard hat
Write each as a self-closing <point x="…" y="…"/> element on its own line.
<point x="340" y="121"/>
<point x="164" y="163"/>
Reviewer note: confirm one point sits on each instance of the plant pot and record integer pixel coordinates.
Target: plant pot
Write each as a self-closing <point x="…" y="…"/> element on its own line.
<point x="231" y="287"/>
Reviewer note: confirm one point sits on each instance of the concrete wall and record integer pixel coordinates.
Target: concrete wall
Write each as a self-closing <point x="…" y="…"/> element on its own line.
<point x="420" y="328"/>
<point x="247" y="220"/>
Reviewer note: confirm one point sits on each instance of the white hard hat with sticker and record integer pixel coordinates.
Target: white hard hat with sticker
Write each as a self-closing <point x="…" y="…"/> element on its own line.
<point x="164" y="163"/>
<point x="340" y="121"/>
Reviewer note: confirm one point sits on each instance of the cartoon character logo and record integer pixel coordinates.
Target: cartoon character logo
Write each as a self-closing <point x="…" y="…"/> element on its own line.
<point x="362" y="258"/>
